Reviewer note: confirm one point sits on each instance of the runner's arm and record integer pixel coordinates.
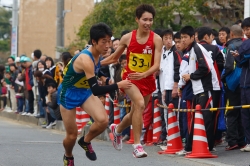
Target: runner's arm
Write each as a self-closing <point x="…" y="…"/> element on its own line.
<point x="157" y="56"/>
<point x="118" y="52"/>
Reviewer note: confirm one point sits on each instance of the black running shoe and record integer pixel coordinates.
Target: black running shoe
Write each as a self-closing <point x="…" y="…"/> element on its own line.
<point x="88" y="148"/>
<point x="68" y="161"/>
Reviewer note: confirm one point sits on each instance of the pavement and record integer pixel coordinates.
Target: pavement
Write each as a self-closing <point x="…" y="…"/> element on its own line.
<point x="27" y="144"/>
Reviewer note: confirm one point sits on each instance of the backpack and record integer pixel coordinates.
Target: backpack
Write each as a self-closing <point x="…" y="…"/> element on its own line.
<point x="233" y="79"/>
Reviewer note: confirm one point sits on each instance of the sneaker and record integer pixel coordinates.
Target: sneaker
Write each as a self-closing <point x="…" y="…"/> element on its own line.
<point x="117" y="142"/>
<point x="29" y="114"/>
<point x="139" y="152"/>
<point x="53" y="123"/>
<point x="25" y="113"/>
<point x="68" y="161"/>
<point x="228" y="147"/>
<point x="88" y="148"/>
<point x="49" y="126"/>
<point x="246" y="148"/>
<point x="181" y="153"/>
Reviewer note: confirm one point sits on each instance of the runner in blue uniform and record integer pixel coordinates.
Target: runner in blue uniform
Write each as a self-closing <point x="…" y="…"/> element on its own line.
<point x="80" y="88"/>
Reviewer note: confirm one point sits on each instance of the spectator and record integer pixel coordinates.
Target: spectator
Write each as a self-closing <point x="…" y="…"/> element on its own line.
<point x="224" y="35"/>
<point x="43" y="57"/>
<point x="243" y="57"/>
<point x="235" y="132"/>
<point x="53" y="107"/>
<point x="204" y="79"/>
<point x="36" y="55"/>
<point x="66" y="57"/>
<point x="115" y="43"/>
<point x="43" y="81"/>
<point x="27" y="78"/>
<point x="2" y="69"/>
<point x="13" y="88"/>
<point x="3" y="98"/>
<point x="59" y="73"/>
<point x="50" y="66"/>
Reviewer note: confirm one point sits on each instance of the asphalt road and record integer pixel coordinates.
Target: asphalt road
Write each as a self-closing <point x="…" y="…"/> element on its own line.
<point x="22" y="144"/>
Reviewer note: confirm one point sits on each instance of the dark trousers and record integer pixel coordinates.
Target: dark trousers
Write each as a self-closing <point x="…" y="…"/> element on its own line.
<point x="245" y="113"/>
<point x="203" y="100"/>
<point x="235" y="132"/>
<point x="31" y="101"/>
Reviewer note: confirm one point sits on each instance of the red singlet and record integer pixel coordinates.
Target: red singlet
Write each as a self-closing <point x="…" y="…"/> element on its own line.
<point x="140" y="58"/>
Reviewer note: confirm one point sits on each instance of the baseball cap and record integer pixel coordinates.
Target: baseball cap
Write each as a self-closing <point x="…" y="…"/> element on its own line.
<point x="25" y="59"/>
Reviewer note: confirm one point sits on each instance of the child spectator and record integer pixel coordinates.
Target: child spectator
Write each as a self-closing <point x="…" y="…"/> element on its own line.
<point x="53" y="107"/>
<point x="3" y="98"/>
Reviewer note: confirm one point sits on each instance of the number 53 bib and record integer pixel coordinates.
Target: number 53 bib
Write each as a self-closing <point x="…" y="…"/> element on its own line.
<point x="139" y="62"/>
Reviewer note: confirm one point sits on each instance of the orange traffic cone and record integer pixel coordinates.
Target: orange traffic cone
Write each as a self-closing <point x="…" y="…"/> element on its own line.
<point x="200" y="146"/>
<point x="174" y="143"/>
<point x="107" y="104"/>
<point x="82" y="118"/>
<point x="116" y="113"/>
<point x="131" y="140"/>
<point x="157" y="122"/>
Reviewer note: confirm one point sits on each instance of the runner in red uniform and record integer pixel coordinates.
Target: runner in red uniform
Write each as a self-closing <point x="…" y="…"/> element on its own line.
<point x="143" y="56"/>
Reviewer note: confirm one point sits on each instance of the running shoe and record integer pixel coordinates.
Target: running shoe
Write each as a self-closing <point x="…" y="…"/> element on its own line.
<point x="68" y="161"/>
<point x="139" y="152"/>
<point x="245" y="148"/>
<point x="88" y="148"/>
<point x="117" y="142"/>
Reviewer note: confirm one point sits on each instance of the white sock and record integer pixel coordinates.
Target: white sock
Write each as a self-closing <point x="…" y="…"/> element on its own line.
<point x="135" y="145"/>
<point x="116" y="133"/>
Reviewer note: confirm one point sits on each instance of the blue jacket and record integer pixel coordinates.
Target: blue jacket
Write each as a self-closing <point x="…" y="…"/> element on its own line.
<point x="244" y="59"/>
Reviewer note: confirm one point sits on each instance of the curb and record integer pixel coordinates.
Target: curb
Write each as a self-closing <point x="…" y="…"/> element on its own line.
<point x="59" y="124"/>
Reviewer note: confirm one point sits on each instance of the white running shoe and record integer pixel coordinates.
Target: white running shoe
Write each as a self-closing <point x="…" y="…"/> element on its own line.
<point x="246" y="148"/>
<point x="117" y="142"/>
<point x="49" y="126"/>
<point x="25" y="113"/>
<point x="139" y="152"/>
<point x="181" y="153"/>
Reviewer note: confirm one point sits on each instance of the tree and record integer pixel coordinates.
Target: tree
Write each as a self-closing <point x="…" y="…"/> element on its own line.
<point x="5" y="29"/>
<point x="221" y="12"/>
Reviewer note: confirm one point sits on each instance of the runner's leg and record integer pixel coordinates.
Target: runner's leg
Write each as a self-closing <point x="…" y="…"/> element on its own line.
<point x="69" y="121"/>
<point x="135" y="115"/>
<point x="99" y="115"/>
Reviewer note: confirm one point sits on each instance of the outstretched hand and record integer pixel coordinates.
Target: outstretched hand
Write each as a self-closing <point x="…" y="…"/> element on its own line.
<point x="136" y="76"/>
<point x="125" y="84"/>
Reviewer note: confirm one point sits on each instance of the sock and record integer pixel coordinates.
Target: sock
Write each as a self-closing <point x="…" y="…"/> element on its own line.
<point x="135" y="145"/>
<point x="116" y="133"/>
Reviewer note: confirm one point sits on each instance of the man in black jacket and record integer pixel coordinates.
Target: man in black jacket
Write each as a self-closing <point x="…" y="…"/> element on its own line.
<point x="235" y="132"/>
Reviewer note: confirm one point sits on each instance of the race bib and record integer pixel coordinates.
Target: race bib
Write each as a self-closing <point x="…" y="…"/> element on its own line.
<point x="139" y="62"/>
<point x="82" y="83"/>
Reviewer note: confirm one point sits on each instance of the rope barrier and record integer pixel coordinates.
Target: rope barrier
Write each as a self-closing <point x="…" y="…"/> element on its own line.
<point x="119" y="105"/>
<point x="208" y="109"/>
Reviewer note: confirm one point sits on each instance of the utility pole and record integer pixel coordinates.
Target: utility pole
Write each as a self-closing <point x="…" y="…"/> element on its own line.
<point x="60" y="26"/>
<point x="14" y="28"/>
<point x="247" y="9"/>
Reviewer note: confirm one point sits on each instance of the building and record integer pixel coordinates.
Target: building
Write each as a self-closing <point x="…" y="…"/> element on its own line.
<point x="37" y="24"/>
